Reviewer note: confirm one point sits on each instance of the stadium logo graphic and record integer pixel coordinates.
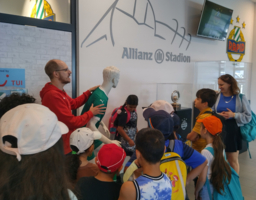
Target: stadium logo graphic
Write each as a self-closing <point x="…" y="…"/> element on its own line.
<point x="159" y="56"/>
<point x="184" y="124"/>
<point x="236" y="44"/>
<point x="42" y="10"/>
<point x="150" y="21"/>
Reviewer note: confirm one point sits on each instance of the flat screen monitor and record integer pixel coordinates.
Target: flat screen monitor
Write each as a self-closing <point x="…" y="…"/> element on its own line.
<point x="214" y="22"/>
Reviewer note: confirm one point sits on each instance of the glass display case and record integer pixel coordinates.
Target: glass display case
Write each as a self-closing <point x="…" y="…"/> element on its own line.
<point x="164" y="92"/>
<point x="185" y="99"/>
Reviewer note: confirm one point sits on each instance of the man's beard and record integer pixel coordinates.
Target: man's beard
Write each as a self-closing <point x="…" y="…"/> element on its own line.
<point x="63" y="81"/>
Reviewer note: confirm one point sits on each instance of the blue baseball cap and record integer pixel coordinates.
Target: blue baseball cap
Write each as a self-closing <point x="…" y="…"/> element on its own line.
<point x="176" y="119"/>
<point x="159" y="120"/>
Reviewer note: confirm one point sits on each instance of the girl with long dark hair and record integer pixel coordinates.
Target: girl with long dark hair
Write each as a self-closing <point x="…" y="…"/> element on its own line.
<point x="77" y="164"/>
<point x="32" y="156"/>
<point x="217" y="168"/>
<point x="235" y="108"/>
<point x="127" y="130"/>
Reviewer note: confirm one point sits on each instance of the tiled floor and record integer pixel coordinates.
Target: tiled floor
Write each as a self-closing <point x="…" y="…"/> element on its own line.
<point x="247" y="175"/>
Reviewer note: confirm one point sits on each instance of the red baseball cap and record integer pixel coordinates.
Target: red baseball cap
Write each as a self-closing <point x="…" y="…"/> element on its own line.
<point x="212" y="124"/>
<point x="110" y="158"/>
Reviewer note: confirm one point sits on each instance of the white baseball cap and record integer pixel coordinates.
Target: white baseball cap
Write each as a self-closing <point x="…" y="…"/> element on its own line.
<point x="29" y="129"/>
<point x="162" y="105"/>
<point x="83" y="138"/>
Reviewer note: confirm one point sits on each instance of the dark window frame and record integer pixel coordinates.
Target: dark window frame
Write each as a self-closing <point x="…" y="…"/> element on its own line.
<point x="15" y="19"/>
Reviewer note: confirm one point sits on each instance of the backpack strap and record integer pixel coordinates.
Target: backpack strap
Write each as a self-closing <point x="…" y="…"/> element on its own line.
<point x="208" y="112"/>
<point x="111" y="119"/>
<point x="241" y="96"/>
<point x="214" y="113"/>
<point x="171" y="146"/>
<point x="211" y="150"/>
<point x="181" y="179"/>
<point x="128" y="114"/>
<point x="208" y="187"/>
<point x="114" y="112"/>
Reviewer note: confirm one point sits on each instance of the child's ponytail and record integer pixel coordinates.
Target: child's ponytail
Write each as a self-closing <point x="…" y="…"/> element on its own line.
<point x="220" y="168"/>
<point x="72" y="163"/>
<point x="122" y="109"/>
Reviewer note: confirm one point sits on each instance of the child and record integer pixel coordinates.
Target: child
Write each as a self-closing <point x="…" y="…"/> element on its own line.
<point x="164" y="122"/>
<point x="205" y="99"/>
<point x="150" y="147"/>
<point x="217" y="168"/>
<point x="127" y="131"/>
<point x="176" y="127"/>
<point x="109" y="160"/>
<point x="81" y="143"/>
<point x="31" y="155"/>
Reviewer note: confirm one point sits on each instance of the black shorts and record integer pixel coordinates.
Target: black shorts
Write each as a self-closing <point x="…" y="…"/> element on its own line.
<point x="233" y="137"/>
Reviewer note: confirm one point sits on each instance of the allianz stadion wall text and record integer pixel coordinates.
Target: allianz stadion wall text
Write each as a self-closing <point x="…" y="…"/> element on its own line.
<point x="159" y="56"/>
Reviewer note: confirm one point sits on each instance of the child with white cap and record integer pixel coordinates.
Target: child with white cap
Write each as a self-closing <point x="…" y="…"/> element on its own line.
<point x="82" y="145"/>
<point x="31" y="156"/>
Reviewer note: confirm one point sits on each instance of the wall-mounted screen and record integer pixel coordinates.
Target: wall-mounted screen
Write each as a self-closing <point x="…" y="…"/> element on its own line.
<point x="214" y="22"/>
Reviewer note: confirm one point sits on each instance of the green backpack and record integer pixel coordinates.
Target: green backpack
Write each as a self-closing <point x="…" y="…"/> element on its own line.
<point x="248" y="131"/>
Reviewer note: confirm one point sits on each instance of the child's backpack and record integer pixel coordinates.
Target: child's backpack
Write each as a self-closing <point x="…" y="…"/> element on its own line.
<point x="232" y="190"/>
<point x="248" y="131"/>
<point x="175" y="168"/>
<point x="116" y="111"/>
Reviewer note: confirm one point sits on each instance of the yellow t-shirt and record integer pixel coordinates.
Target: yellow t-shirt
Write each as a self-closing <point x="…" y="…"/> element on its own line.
<point x="200" y="144"/>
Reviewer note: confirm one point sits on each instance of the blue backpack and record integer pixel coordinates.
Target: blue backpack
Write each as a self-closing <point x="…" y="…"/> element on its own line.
<point x="232" y="190"/>
<point x="248" y="131"/>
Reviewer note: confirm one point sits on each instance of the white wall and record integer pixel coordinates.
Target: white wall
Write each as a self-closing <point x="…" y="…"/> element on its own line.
<point x="141" y="76"/>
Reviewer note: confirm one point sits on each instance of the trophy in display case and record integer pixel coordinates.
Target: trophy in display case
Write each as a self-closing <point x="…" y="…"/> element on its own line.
<point x="175" y="98"/>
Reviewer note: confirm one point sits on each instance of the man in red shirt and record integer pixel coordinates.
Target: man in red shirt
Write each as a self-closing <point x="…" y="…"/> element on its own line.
<point x="57" y="100"/>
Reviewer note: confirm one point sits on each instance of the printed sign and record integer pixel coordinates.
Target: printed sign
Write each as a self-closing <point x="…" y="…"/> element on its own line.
<point x="12" y="77"/>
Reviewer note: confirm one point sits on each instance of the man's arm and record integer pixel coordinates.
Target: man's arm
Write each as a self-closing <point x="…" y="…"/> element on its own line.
<point x="59" y="106"/>
<point x="79" y="101"/>
<point x="128" y="191"/>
